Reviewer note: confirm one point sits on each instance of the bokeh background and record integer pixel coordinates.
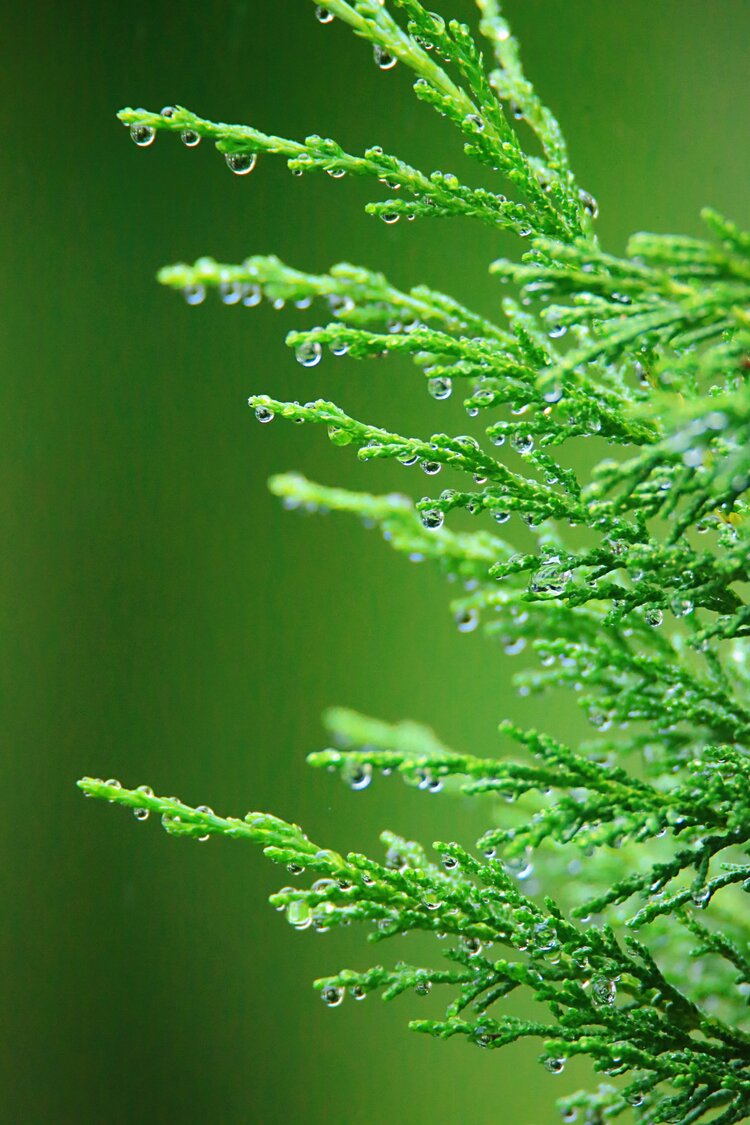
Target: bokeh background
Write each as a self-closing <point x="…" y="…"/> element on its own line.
<point x="164" y="621"/>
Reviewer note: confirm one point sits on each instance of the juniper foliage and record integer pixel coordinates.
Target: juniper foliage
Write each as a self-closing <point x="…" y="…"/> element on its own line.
<point x="644" y="965"/>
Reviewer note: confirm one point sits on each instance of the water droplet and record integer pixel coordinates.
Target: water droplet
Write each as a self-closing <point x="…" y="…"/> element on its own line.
<point x="554" y="1065"/>
<point x="357" y="775"/>
<point x="141" y="814"/>
<point x="471" y="945"/>
<point x="522" y="443"/>
<point x="142" y="135"/>
<point x="308" y="353"/>
<point x="390" y="217"/>
<point x="190" y="138"/>
<point x="194" y="294"/>
<point x="299" y="914"/>
<point x="516" y="110"/>
<point x="339" y="347"/>
<point x="230" y="292"/>
<point x="450" y="862"/>
<point x="423" y="987"/>
<point x="264" y="415"/>
<point x="653" y="617"/>
<point x="467" y="620"/>
<point x="252" y="297"/>
<point x="589" y="204"/>
<point x="168" y="111"/>
<point x="603" y="990"/>
<point x="475" y="122"/>
<point x="501" y="517"/>
<point x="681" y="607"/>
<point x="701" y="898"/>
<point x="322" y="14"/>
<point x="440" y="387"/>
<point x="295" y="868"/>
<point x="383" y="58"/>
<point x="432" y="518"/>
<point x="636" y="1098"/>
<point x="520" y="867"/>
<point x="555" y="332"/>
<point x="113" y="783"/>
<point x="430" y="467"/>
<point x="207" y="811"/>
<point x="569" y="1115"/>
<point x="240" y="162"/>
<point x="357" y="992"/>
<point x="395" y="861"/>
<point x="550" y="580"/>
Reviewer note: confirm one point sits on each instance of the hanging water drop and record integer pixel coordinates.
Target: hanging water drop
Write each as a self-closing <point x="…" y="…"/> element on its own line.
<point x="241" y="163"/>
<point x="430" y="467"/>
<point x="168" y="111"/>
<point x="299" y="914"/>
<point x="383" y="58"/>
<point x="450" y="862"/>
<point x="338" y="347"/>
<point x="589" y="204"/>
<point x="471" y="945"/>
<point x="357" y="775"/>
<point x="501" y="517"/>
<point x="440" y="387"/>
<point x="357" y="992"/>
<point x="252" y="297"/>
<point x="554" y="1065"/>
<point x="520" y="867"/>
<point x="522" y="443"/>
<point x="475" y="122"/>
<point x="322" y="14"/>
<point x="190" y="138"/>
<point x="432" y="518"/>
<point x="264" y="415"/>
<point x="467" y="620"/>
<point x="603" y="990"/>
<point x="142" y="135"/>
<point x="653" y="617"/>
<point x="681" y="607"/>
<point x="308" y="353"/>
<point x="230" y="292"/>
<point x="550" y="580"/>
<point x="423" y="987"/>
<point x="390" y="217"/>
<point x="194" y="294"/>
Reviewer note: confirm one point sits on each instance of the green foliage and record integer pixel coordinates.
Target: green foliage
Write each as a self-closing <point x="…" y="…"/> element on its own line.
<point x="632" y="596"/>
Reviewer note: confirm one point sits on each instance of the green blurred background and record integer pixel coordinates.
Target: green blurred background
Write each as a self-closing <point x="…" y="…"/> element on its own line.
<point x="164" y="621"/>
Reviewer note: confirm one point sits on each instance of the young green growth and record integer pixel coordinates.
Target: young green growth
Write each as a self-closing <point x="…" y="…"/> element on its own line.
<point x="630" y="592"/>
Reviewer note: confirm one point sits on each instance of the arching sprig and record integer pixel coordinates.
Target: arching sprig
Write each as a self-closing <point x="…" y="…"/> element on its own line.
<point x="622" y="579"/>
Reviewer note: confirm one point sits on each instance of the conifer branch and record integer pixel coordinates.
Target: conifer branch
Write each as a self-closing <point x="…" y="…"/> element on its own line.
<point x="631" y="592"/>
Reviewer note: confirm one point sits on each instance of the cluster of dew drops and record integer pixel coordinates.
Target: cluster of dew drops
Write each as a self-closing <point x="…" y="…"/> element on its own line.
<point x="144" y="135"/>
<point x="309" y="353"/>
